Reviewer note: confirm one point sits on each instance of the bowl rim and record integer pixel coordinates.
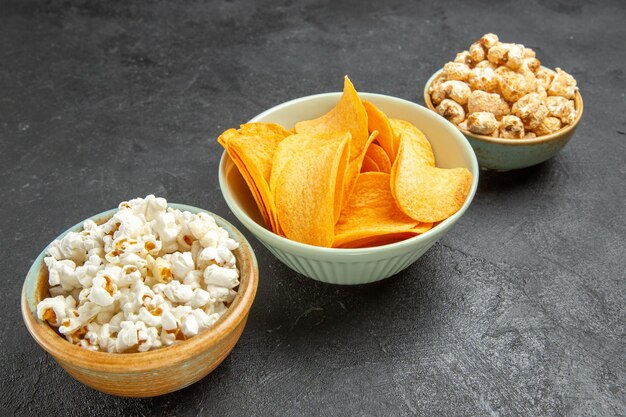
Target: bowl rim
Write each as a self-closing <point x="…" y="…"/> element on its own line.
<point x="283" y="242"/>
<point x="164" y="357"/>
<point x="578" y="100"/>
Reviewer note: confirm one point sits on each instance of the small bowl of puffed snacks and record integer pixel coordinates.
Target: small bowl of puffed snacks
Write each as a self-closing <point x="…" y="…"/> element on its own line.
<point x="514" y="112"/>
<point x="141" y="300"/>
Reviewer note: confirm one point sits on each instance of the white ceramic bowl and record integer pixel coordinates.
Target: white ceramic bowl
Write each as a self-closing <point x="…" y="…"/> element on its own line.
<point x="351" y="266"/>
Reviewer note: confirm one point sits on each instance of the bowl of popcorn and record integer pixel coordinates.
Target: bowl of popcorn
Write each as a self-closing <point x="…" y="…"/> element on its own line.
<point x="141" y="300"/>
<point x="515" y="112"/>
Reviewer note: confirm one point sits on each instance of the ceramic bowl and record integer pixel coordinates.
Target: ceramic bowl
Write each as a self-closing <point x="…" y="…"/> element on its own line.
<point x="149" y="373"/>
<point x="499" y="154"/>
<point x="351" y="266"/>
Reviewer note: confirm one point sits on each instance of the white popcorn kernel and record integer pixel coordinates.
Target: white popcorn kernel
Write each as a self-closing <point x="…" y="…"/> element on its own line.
<point x="69" y="325"/>
<point x="115" y="322"/>
<point x="189" y="326"/>
<point x="151" y="317"/>
<point x="154" y="206"/>
<point x="150" y="341"/>
<point x="167" y="338"/>
<point x="227" y="256"/>
<point x="162" y="270"/>
<point x="93" y="331"/>
<point x="102" y="290"/>
<point x="62" y="273"/>
<point x="169" y="322"/>
<point x="196" y="249"/>
<point x="167" y="229"/>
<point x="208" y="256"/>
<point x="126" y="337"/>
<point x="228" y="243"/>
<point x="200" y="298"/>
<point x="182" y="264"/>
<point x="71" y="247"/>
<point x="223" y="294"/>
<point x="184" y="241"/>
<point x="220" y="276"/>
<point x="177" y="292"/>
<point x="104" y="337"/>
<point x="205" y="320"/>
<point x="129" y="275"/>
<point x="131" y="225"/>
<point x="210" y="239"/>
<point x="57" y="290"/>
<point x="52" y="310"/>
<point x="87" y="311"/>
<point x="193" y="279"/>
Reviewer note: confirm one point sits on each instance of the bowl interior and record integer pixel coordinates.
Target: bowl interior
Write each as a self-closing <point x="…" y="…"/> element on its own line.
<point x="450" y="147"/>
<point x="36" y="288"/>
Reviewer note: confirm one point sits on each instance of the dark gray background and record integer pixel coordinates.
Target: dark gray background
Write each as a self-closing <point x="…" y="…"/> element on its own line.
<point x="519" y="310"/>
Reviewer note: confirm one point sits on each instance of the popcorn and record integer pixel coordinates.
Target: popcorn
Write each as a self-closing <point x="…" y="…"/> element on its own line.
<point x="480" y="101"/>
<point x="514" y="85"/>
<point x="451" y="110"/>
<point x="488" y="40"/>
<point x="483" y="123"/>
<point x="52" y="310"/>
<point x="477" y="52"/>
<point x="463" y="58"/>
<point x="502" y="77"/>
<point x="177" y="292"/>
<point x="547" y="126"/>
<point x="148" y="277"/>
<point x="531" y="110"/>
<point x="456" y="71"/>
<point x="182" y="264"/>
<point x="562" y="108"/>
<point x="457" y="91"/>
<point x="563" y="84"/>
<point x="221" y="277"/>
<point x="511" y="127"/>
<point x="483" y="78"/>
<point x="545" y="77"/>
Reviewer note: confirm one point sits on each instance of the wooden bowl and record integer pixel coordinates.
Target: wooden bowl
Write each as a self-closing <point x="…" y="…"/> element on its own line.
<point x="502" y="154"/>
<point x="155" y="372"/>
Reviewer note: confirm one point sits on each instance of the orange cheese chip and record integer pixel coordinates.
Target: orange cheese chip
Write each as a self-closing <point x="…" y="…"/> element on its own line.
<point x="404" y="128"/>
<point x="369" y="165"/>
<point x="347" y="116"/>
<point x="379" y="156"/>
<point x="377" y="120"/>
<point x="306" y="189"/>
<point x="422" y="191"/>
<point x="294" y="144"/>
<point x="372" y="212"/>
<point x="252" y="149"/>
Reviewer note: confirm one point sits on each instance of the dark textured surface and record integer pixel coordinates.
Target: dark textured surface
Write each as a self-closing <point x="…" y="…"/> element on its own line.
<point x="518" y="311"/>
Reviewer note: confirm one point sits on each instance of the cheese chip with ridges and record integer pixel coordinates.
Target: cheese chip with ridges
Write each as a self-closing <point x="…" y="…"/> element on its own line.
<point x="305" y="192"/>
<point x="371" y="212"/>
<point x="424" y="192"/>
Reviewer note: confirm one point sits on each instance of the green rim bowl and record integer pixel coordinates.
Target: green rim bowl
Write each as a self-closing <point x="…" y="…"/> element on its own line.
<point x="351" y="266"/>
<point x="158" y="371"/>
<point x="500" y="154"/>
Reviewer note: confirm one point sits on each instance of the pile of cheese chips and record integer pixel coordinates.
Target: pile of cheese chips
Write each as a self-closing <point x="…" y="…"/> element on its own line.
<point x="350" y="178"/>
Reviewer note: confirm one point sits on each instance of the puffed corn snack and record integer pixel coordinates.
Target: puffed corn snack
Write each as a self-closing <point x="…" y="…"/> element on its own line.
<point x="147" y="278"/>
<point x="500" y="89"/>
